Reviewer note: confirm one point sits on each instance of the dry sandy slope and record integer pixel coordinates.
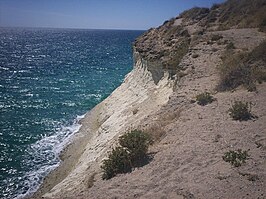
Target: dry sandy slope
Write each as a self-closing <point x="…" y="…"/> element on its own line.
<point x="187" y="161"/>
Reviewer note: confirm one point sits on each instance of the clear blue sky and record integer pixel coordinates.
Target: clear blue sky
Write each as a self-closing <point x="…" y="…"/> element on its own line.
<point x="102" y="14"/>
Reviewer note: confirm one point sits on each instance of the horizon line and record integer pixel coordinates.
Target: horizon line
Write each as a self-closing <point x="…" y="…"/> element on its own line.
<point x="73" y="28"/>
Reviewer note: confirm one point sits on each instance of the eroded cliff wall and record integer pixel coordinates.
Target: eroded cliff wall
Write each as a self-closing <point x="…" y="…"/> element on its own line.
<point x="144" y="91"/>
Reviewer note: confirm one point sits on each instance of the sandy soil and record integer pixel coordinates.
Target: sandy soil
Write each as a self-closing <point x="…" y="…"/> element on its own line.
<point x="187" y="158"/>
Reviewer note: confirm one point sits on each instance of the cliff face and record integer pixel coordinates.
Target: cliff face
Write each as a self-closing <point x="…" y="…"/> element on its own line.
<point x="174" y="63"/>
<point x="144" y="91"/>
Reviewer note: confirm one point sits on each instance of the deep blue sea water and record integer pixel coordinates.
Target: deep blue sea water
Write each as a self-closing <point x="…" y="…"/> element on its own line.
<point x="49" y="78"/>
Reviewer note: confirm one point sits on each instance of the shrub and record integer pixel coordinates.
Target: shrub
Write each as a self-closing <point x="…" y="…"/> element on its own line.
<point x="236" y="158"/>
<point x="243" y="69"/>
<point x="137" y="143"/>
<point x="230" y="46"/>
<point x="216" y="37"/>
<point x="242" y="14"/>
<point x="240" y="111"/>
<point x="215" y="6"/>
<point x="118" y="162"/>
<point x="195" y="13"/>
<point x="235" y="71"/>
<point x="131" y="153"/>
<point x="204" y="99"/>
<point x="262" y="26"/>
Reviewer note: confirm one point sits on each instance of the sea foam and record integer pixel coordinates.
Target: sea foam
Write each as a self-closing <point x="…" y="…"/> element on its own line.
<point x="44" y="156"/>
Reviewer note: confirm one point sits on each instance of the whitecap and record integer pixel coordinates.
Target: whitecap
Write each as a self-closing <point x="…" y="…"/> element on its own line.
<point x="96" y="96"/>
<point x="23" y="71"/>
<point x="3" y="68"/>
<point x="29" y="95"/>
<point x="44" y="156"/>
<point x="24" y="90"/>
<point x="70" y="104"/>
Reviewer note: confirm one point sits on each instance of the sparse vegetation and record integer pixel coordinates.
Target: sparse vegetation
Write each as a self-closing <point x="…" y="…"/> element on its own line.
<point x="234" y="72"/>
<point x="236" y="158"/>
<point x="240" y="111"/>
<point x="262" y="26"/>
<point x="242" y="14"/>
<point x="250" y="176"/>
<point x="91" y="180"/>
<point x="216" y="37"/>
<point x="243" y="69"/>
<point x="215" y="6"/>
<point x="132" y="152"/>
<point x="195" y="13"/>
<point x="204" y="98"/>
<point x="176" y="55"/>
<point x="230" y="46"/>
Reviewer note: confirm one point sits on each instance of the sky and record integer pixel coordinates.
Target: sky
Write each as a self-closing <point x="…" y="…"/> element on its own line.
<point x="93" y="14"/>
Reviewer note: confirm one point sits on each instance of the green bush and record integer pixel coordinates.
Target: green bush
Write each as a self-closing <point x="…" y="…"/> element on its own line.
<point x="132" y="152"/>
<point x="204" y="98"/>
<point x="236" y="158"/>
<point x="240" y="111"/>
<point x="137" y="143"/>
<point x="118" y="162"/>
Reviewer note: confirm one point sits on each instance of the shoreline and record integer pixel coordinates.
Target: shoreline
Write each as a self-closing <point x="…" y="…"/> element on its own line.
<point x="71" y="152"/>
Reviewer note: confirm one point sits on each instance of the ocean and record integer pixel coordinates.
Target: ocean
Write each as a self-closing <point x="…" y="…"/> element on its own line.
<point x="49" y="78"/>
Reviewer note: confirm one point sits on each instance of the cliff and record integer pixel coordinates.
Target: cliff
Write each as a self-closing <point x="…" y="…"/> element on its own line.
<point x="173" y="64"/>
<point x="142" y="94"/>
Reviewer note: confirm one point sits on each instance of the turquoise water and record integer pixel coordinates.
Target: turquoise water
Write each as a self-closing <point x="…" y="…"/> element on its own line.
<point x="49" y="78"/>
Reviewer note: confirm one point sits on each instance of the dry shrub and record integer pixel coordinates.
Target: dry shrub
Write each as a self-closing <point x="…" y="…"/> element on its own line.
<point x="195" y="13"/>
<point x="230" y="46"/>
<point x="204" y="98"/>
<point x="243" y="69"/>
<point x="216" y="37"/>
<point x="262" y="25"/>
<point x="91" y="180"/>
<point x="234" y="72"/>
<point x="156" y="132"/>
<point x="176" y="55"/>
<point x="243" y="14"/>
<point x="241" y="111"/>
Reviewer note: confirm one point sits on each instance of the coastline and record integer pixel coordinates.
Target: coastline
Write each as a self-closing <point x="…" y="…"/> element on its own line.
<point x="71" y="152"/>
<point x="101" y="126"/>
